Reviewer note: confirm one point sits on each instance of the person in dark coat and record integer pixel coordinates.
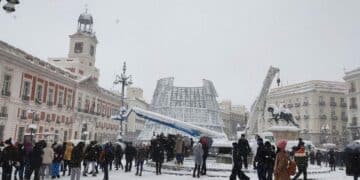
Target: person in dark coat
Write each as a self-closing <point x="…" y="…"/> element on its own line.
<point x="140" y="157"/>
<point x="77" y="155"/>
<point x="19" y="162"/>
<point x="269" y="160"/>
<point x="91" y="156"/>
<point x="244" y="149"/>
<point x="35" y="162"/>
<point x="318" y="157"/>
<point x="130" y="153"/>
<point x="158" y="155"/>
<point x="237" y="164"/>
<point x="260" y="160"/>
<point x="58" y="157"/>
<point x="301" y="160"/>
<point x="7" y="159"/>
<point x="312" y="157"/>
<point x="205" y="147"/>
<point x="105" y="159"/>
<point x="118" y="157"/>
<point x="332" y="160"/>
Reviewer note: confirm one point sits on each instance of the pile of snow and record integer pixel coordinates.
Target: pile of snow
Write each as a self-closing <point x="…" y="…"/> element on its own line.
<point x="284" y="128"/>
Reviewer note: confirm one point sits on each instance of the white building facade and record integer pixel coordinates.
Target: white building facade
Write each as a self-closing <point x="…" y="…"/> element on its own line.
<point x="320" y="107"/>
<point x="59" y="100"/>
<point x="352" y="79"/>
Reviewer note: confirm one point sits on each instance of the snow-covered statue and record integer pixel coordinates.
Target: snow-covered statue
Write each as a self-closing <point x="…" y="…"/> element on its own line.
<point x="281" y="113"/>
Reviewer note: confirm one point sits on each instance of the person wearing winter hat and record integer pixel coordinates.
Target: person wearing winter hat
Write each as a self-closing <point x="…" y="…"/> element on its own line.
<point x="281" y="162"/>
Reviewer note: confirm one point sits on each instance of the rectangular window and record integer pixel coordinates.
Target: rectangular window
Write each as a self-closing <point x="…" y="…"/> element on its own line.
<point x="50" y="96"/>
<point x="332" y="99"/>
<point x="342" y="100"/>
<point x="333" y="112"/>
<point x="6" y="85"/>
<point x="78" y="47"/>
<point x="61" y="98"/>
<point x="26" y="90"/>
<point x="353" y="101"/>
<point x="321" y="98"/>
<point x="68" y="99"/>
<point x="39" y="90"/>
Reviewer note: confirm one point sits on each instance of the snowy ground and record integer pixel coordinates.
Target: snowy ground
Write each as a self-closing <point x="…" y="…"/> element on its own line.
<point x="151" y="176"/>
<point x="219" y="172"/>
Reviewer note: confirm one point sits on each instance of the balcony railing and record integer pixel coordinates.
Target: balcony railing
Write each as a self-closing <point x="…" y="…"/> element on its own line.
<point x="3" y="114"/>
<point x="297" y="104"/>
<point x="353" y="124"/>
<point x="49" y="103"/>
<point x="48" y="120"/>
<point x="25" y="98"/>
<point x="38" y="101"/>
<point x="343" y="104"/>
<point x="322" y="103"/>
<point x="353" y="106"/>
<point x="351" y="90"/>
<point x="344" y="118"/>
<point x="5" y="93"/>
<point x="334" y="117"/>
<point x="323" y="117"/>
<point x="60" y="106"/>
<point x="305" y="103"/>
<point x="23" y="117"/>
<point x="333" y="104"/>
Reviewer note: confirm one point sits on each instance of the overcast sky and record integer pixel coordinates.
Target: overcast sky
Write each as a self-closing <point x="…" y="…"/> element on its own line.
<point x="230" y="42"/>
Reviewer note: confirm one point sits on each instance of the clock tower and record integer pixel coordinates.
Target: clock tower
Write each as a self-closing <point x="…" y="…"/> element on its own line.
<point x="82" y="51"/>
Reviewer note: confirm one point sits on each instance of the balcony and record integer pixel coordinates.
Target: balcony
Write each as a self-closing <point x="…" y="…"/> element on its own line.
<point x="290" y="105"/>
<point x="68" y="107"/>
<point x="305" y="103"/>
<point x="344" y="118"/>
<point x="343" y="104"/>
<point x="353" y="106"/>
<point x="22" y="117"/>
<point x="3" y="114"/>
<point x="353" y="124"/>
<point x="98" y="114"/>
<point x="49" y="103"/>
<point x="333" y="104"/>
<point x="36" y="118"/>
<point x="306" y="116"/>
<point x="352" y="90"/>
<point x="38" y="101"/>
<point x="5" y="93"/>
<point x="25" y="98"/>
<point x="322" y="103"/>
<point x="48" y="120"/>
<point x="79" y="109"/>
<point x="297" y="104"/>
<point x="334" y="118"/>
<point x="323" y="117"/>
<point x="60" y="106"/>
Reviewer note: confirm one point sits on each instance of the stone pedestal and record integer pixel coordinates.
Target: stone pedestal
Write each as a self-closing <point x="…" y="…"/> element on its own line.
<point x="285" y="132"/>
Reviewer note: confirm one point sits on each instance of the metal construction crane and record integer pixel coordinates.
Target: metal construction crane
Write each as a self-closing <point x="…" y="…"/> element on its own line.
<point x="258" y="108"/>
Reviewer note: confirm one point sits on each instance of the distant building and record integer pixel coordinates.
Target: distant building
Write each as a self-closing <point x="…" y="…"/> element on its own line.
<point x="134" y="124"/>
<point x="352" y="79"/>
<point x="195" y="105"/>
<point x="234" y="118"/>
<point x="57" y="100"/>
<point x="318" y="106"/>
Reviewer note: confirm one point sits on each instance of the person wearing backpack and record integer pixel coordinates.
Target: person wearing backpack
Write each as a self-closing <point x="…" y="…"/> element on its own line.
<point x="269" y="160"/>
<point x="281" y="162"/>
<point x="301" y="160"/>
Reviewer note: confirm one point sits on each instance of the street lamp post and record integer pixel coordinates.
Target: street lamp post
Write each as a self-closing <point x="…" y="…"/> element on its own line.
<point x="125" y="80"/>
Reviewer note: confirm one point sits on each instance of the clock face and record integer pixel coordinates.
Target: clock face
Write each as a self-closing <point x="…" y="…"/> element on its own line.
<point x="92" y="50"/>
<point x="78" y="47"/>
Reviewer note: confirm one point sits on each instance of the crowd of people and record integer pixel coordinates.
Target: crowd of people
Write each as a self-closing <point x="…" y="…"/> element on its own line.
<point x="51" y="160"/>
<point x="42" y="159"/>
<point x="270" y="161"/>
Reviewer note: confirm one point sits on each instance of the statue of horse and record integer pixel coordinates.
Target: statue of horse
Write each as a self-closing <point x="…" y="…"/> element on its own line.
<point x="281" y="113"/>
